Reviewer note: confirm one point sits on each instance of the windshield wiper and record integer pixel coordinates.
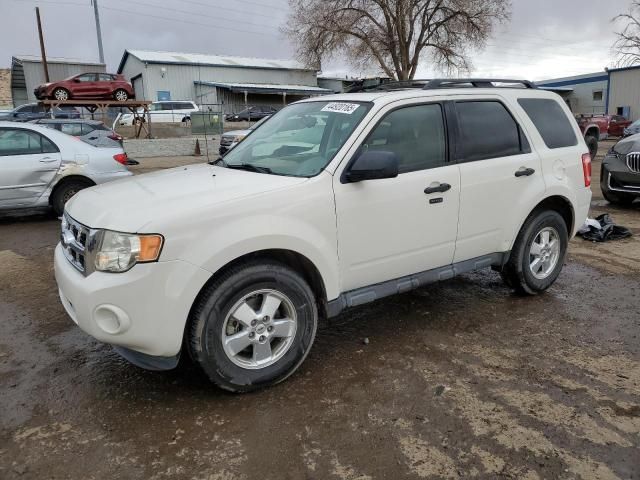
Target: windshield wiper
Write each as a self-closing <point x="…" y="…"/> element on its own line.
<point x="248" y="167"/>
<point x="218" y="161"/>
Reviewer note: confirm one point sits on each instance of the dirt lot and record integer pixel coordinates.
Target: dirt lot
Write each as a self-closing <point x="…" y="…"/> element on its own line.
<point x="461" y="380"/>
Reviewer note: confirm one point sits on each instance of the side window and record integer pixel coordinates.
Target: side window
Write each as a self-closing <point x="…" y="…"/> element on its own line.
<point x="487" y="130"/>
<point x="415" y="134"/>
<point x="105" y="77"/>
<point x="20" y="142"/>
<point x="87" y="77"/>
<point x="87" y="129"/>
<point x="551" y="121"/>
<point x="48" y="146"/>
<point x="74" y="129"/>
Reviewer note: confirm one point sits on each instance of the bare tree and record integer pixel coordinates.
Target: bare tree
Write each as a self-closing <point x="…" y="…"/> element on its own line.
<point x="627" y="45"/>
<point x="395" y="34"/>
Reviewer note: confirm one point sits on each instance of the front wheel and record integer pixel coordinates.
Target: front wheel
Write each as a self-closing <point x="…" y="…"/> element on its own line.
<point x="538" y="253"/>
<point x="61" y="94"/>
<point x="253" y="327"/>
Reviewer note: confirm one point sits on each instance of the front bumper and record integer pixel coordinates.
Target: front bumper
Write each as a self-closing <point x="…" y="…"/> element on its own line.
<point x="616" y="175"/>
<point x="144" y="310"/>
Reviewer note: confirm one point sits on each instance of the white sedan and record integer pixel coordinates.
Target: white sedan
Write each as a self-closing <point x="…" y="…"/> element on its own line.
<point x="42" y="167"/>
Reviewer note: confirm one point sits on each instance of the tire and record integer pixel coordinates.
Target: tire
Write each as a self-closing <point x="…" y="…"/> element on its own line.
<point x="120" y="95"/>
<point x="520" y="273"/>
<point x="592" y="144"/>
<point x="62" y="194"/>
<point x="618" y="198"/>
<point x="61" y="94"/>
<point x="214" y="319"/>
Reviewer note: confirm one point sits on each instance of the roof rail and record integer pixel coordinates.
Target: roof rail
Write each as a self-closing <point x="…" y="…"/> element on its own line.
<point x="477" y="83"/>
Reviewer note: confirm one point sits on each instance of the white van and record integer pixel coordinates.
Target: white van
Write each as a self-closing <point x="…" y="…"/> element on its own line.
<point x="165" y="112"/>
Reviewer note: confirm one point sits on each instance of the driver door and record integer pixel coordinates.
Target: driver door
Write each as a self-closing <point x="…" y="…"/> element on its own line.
<point x="28" y="164"/>
<point x="390" y="228"/>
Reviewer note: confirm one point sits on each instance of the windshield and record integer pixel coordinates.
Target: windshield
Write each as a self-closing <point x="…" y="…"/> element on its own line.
<point x="300" y="140"/>
<point x="635" y="124"/>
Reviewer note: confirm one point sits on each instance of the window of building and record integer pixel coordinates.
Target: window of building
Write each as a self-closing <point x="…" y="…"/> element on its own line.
<point x="597" y="96"/>
<point x="551" y="121"/>
<point x="415" y="134"/>
<point x="487" y="130"/>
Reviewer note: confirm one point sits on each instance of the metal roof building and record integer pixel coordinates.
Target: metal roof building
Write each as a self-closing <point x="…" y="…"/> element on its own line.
<point x="585" y="94"/>
<point x="217" y="80"/>
<point x="27" y="73"/>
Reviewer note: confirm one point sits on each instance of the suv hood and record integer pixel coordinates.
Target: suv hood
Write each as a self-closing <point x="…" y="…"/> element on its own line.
<point x="132" y="204"/>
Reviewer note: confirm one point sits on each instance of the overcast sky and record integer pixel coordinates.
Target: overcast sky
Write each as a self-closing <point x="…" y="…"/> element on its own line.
<point x="545" y="38"/>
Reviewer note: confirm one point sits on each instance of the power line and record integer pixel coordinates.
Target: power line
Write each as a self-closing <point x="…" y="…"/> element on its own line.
<point x="209" y="26"/>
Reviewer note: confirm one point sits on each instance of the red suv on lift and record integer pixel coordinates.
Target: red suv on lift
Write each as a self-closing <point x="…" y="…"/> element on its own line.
<point x="87" y="85"/>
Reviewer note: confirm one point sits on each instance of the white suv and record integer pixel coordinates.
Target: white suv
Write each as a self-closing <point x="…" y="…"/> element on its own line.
<point x="334" y="202"/>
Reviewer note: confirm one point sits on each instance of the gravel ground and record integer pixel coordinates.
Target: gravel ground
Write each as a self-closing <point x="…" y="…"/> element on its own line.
<point x="459" y="380"/>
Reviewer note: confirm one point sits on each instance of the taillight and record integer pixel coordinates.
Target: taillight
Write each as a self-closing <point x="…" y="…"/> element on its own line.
<point x="121" y="158"/>
<point x="586" y="169"/>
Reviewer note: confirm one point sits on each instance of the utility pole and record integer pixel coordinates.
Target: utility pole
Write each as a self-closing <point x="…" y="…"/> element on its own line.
<point x="98" y="31"/>
<point x="44" y="54"/>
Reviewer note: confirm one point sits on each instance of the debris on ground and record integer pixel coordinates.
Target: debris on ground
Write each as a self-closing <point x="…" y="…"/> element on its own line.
<point x="603" y="229"/>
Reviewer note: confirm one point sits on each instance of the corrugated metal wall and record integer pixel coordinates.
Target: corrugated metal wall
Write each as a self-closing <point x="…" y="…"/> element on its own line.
<point x="34" y="76"/>
<point x="582" y="98"/>
<point x="179" y="79"/>
<point x="625" y="92"/>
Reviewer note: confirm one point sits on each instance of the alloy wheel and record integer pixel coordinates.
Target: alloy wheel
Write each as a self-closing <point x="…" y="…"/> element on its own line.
<point x="544" y="253"/>
<point x="259" y="329"/>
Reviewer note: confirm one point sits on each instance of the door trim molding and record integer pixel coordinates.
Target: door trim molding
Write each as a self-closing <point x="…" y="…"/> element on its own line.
<point x="370" y="293"/>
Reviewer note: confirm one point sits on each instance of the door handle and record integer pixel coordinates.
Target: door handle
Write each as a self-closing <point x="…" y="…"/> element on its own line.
<point x="47" y="160"/>
<point x="440" y="188"/>
<point x="525" y="172"/>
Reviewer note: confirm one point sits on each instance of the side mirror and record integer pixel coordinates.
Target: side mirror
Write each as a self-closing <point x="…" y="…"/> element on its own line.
<point x="373" y="165"/>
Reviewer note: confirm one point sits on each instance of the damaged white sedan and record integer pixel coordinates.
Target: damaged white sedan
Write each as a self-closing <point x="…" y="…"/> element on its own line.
<point x="41" y="167"/>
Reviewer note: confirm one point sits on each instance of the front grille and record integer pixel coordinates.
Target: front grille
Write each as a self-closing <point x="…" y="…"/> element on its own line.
<point x="633" y="161"/>
<point x="75" y="240"/>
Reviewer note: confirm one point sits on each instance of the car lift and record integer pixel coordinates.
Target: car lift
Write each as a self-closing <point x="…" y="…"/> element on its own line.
<point x="139" y="109"/>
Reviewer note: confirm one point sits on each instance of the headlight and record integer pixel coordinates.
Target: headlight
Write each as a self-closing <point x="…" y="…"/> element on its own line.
<point x="118" y="252"/>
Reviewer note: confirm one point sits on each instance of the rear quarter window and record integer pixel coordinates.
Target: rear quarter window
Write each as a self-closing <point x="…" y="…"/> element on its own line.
<point x="552" y="123"/>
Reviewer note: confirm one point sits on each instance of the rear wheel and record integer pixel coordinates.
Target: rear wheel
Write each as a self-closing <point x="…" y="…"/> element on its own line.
<point x="592" y="144"/>
<point x="64" y="193"/>
<point x="121" y="95"/>
<point x="538" y="253"/>
<point x="253" y="327"/>
<point x="61" y="94"/>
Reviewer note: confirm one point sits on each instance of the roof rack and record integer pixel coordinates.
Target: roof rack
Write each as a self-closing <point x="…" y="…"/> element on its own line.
<point x="478" y="83"/>
<point x="431" y="84"/>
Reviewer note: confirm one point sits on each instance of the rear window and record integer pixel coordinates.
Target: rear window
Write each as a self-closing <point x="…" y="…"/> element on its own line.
<point x="488" y="130"/>
<point x="551" y="121"/>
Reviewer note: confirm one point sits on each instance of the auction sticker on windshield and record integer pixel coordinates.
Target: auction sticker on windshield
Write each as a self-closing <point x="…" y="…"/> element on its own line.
<point x="336" y="107"/>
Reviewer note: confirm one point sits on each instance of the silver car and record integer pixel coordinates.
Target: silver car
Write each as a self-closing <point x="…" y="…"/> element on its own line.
<point x="93" y="132"/>
<point x="41" y="167"/>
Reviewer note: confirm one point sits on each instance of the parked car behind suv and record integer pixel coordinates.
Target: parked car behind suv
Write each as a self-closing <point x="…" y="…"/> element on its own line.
<point x="93" y="132"/>
<point x="332" y="203"/>
<point x="42" y="167"/>
<point x="87" y="85"/>
<point x="34" y="111"/>
<point x="174" y="111"/>
<point x="230" y="139"/>
<point x="251" y="114"/>
<point x="620" y="172"/>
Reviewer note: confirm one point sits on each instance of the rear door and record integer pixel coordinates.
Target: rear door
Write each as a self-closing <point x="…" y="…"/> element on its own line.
<point x="501" y="178"/>
<point x="104" y="85"/>
<point x="28" y="164"/>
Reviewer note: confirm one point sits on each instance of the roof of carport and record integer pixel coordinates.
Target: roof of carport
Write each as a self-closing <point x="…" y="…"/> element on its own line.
<point x="267" y="88"/>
